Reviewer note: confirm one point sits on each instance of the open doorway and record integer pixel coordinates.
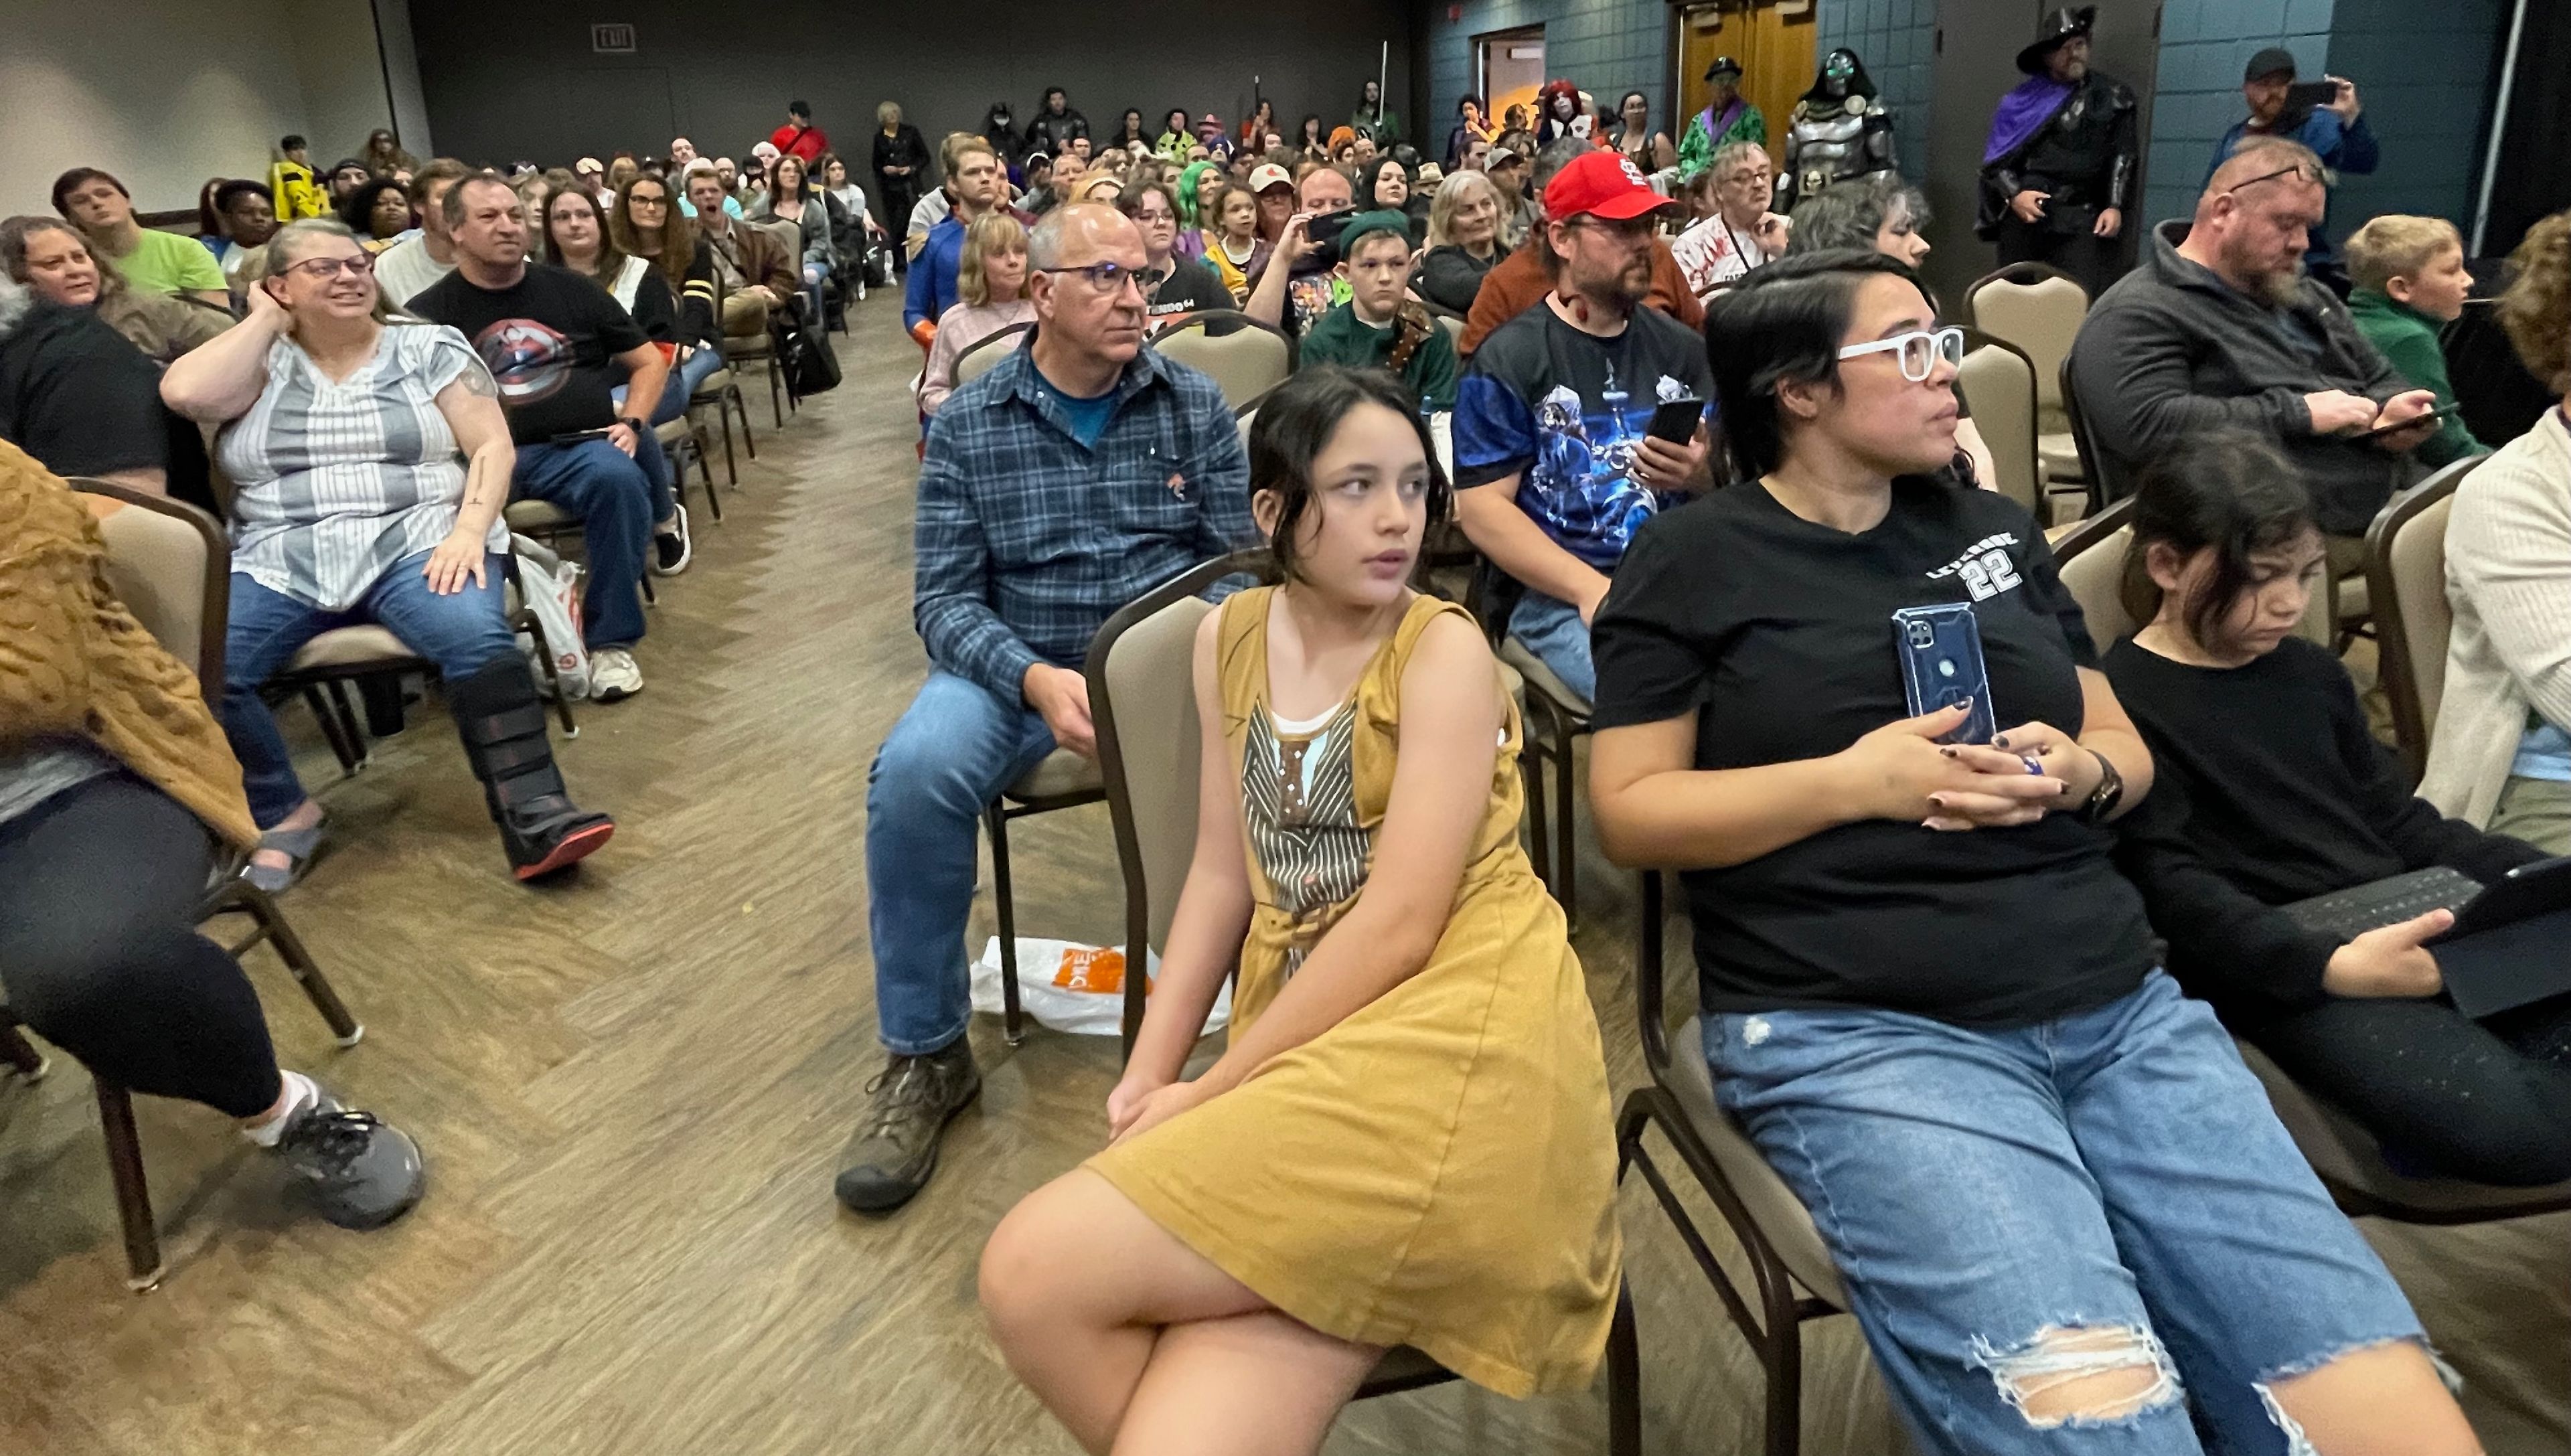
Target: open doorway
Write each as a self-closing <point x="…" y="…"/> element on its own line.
<point x="1512" y="70"/>
<point x="1773" y="41"/>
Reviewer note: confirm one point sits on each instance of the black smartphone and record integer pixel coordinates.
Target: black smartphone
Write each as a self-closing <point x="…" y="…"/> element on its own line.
<point x="1324" y="231"/>
<point x="2441" y="412"/>
<point x="1675" y="420"/>
<point x="1942" y="665"/>
<point x="2311" y="95"/>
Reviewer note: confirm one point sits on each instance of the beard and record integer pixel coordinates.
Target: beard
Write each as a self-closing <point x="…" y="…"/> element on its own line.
<point x="2282" y="287"/>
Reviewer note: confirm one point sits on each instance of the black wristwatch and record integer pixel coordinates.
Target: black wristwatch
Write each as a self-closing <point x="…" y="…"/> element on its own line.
<point x="639" y="428"/>
<point x="2110" y="792"/>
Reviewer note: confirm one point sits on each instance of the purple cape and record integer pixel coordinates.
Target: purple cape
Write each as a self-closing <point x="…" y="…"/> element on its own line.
<point x="2022" y="113"/>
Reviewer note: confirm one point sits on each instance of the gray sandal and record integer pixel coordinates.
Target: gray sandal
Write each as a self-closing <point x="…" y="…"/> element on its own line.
<point x="297" y="845"/>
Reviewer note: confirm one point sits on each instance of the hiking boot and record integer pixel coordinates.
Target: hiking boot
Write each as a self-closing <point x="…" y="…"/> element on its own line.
<point x="353" y="1170"/>
<point x="913" y="1099"/>
<point x="503" y="727"/>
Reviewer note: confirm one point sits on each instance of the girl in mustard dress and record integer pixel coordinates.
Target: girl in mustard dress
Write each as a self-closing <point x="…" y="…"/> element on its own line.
<point x="1407" y="1141"/>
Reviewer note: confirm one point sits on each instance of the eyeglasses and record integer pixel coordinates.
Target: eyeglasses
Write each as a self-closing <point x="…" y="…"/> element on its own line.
<point x="1919" y="351"/>
<point x="322" y="270"/>
<point x="2299" y="171"/>
<point x="639" y="200"/>
<point x="1104" y="278"/>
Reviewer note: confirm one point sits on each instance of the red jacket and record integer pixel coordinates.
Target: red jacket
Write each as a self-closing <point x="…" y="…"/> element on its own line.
<point x="807" y="143"/>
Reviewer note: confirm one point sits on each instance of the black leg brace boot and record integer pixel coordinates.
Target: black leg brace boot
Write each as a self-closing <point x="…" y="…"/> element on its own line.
<point x="503" y="727"/>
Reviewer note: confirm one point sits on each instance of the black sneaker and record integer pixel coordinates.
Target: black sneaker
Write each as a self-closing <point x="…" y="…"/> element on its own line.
<point x="354" y="1170"/>
<point x="673" y="550"/>
<point x="913" y="1099"/>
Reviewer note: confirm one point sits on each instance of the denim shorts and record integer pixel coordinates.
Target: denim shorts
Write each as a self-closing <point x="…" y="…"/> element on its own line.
<point x="2118" y="1171"/>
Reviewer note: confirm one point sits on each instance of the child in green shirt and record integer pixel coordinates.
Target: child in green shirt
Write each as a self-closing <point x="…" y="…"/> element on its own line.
<point x="1375" y="329"/>
<point x="2410" y="280"/>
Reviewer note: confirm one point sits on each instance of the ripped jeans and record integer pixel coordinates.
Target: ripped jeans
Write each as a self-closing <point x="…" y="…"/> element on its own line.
<point x="2013" y="1209"/>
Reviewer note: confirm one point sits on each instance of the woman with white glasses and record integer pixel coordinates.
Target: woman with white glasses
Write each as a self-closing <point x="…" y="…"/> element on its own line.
<point x="2065" y="1215"/>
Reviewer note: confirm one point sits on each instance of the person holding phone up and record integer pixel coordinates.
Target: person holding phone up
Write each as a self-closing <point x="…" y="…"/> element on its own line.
<point x="2324" y="116"/>
<point x="1556" y="464"/>
<point x="2055" y="1194"/>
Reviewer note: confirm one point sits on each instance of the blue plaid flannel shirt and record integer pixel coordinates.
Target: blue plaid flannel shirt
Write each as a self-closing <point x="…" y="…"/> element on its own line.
<point x="1025" y="543"/>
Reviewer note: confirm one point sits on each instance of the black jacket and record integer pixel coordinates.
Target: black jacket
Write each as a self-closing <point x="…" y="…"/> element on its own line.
<point x="2084" y="159"/>
<point x="2171" y="350"/>
<point x="1048" y="132"/>
<point x="904" y="148"/>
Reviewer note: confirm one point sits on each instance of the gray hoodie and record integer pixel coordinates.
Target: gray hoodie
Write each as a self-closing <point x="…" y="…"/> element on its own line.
<point x="2171" y="350"/>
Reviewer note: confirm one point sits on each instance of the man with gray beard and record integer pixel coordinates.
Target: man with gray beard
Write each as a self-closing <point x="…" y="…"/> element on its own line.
<point x="2218" y="325"/>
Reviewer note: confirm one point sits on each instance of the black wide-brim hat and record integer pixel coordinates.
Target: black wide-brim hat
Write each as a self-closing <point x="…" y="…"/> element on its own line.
<point x="2059" y="26"/>
<point x="1721" y="64"/>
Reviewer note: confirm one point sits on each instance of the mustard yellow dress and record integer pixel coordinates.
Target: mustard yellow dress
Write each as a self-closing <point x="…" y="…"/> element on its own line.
<point x="1439" y="1169"/>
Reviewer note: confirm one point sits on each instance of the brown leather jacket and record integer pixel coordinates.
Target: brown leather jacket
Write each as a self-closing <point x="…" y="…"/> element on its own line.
<point x="757" y="252"/>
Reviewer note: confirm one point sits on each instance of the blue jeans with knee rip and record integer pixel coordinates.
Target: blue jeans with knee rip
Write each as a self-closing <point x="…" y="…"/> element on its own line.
<point x="2014" y="1208"/>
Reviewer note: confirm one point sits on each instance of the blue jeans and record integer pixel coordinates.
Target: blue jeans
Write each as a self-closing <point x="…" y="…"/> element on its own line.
<point x="612" y="492"/>
<point x="813" y="273"/>
<point x="1553" y="630"/>
<point x="2115" y="1169"/>
<point x="954" y="749"/>
<point x="682" y="385"/>
<point x="459" y="633"/>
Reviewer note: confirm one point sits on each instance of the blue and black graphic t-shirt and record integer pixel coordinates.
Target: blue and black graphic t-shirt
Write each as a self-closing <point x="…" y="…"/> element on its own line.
<point x="1566" y="410"/>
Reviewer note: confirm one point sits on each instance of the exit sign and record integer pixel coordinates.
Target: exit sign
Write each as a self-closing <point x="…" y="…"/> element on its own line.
<point x="611" y="40"/>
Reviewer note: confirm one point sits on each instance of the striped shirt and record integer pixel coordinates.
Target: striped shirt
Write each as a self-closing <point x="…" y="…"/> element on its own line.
<point x="333" y="483"/>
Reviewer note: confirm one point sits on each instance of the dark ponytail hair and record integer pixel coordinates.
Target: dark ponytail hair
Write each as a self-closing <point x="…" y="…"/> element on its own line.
<point x="1295" y="424"/>
<point x="2227" y="489"/>
<point x="1784" y="322"/>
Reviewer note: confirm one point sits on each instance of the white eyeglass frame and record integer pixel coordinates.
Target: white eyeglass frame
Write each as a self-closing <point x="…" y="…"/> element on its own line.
<point x="1947" y="341"/>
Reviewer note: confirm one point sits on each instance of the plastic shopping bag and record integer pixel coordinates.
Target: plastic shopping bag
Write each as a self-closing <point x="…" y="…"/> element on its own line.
<point x="1068" y="987"/>
<point x="551" y="585"/>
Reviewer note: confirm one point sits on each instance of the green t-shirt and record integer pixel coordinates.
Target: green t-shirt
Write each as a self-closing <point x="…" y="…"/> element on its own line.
<point x="1341" y="338"/>
<point x="164" y="262"/>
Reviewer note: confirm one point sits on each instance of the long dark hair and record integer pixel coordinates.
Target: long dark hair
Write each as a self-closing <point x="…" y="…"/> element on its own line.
<point x="677" y="234"/>
<point x="2227" y="489"/>
<point x="1783" y="322"/>
<point x="611" y="258"/>
<point x="1295" y="424"/>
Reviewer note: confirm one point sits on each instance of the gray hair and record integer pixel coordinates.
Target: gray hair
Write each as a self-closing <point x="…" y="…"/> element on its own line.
<point x="1045" y="243"/>
<point x="285" y="248"/>
<point x="1452" y="195"/>
<point x="1732" y="158"/>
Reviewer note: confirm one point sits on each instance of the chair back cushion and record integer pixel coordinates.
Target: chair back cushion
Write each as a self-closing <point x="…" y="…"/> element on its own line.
<point x="1999" y="388"/>
<point x="982" y="354"/>
<point x="1771" y="1205"/>
<point x="2094" y="578"/>
<point x="2041" y="318"/>
<point x="2416" y="555"/>
<point x="162" y="566"/>
<point x="1150" y="678"/>
<point x="1246" y="363"/>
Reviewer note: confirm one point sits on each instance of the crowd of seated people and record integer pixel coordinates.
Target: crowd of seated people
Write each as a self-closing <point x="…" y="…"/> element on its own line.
<point x="1930" y="966"/>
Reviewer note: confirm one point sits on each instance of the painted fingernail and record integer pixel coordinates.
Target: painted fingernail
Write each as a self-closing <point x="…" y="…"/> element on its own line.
<point x="1999" y="740"/>
<point x="1949" y="752"/>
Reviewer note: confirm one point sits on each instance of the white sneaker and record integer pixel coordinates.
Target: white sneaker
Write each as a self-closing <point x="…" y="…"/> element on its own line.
<point x="613" y="675"/>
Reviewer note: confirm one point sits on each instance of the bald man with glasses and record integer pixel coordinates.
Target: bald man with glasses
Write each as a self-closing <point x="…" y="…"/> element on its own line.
<point x="2221" y="325"/>
<point x="1077" y="474"/>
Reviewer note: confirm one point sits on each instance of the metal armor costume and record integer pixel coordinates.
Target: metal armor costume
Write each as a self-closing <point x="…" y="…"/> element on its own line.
<point x="1837" y="132"/>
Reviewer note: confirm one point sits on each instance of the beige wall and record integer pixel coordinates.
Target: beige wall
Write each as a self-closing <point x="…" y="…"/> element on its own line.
<point x="167" y="93"/>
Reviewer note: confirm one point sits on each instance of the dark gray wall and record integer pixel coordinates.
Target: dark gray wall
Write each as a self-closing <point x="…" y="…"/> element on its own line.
<point x="507" y="80"/>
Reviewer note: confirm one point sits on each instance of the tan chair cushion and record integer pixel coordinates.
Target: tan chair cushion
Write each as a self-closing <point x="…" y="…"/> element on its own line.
<point x="2000" y="389"/>
<point x="674" y="431"/>
<point x="534" y="515"/>
<point x="1246" y="363"/>
<point x="2061" y="457"/>
<point x="2417" y="557"/>
<point x="1150" y="679"/>
<point x="1771" y="1205"/>
<point x="157" y="565"/>
<point x="713" y="386"/>
<point x="352" y="646"/>
<point x="2093" y="578"/>
<point x="2041" y="318"/>
<point x="1062" y="773"/>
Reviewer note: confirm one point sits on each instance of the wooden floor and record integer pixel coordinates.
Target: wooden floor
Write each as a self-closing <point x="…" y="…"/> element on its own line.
<point x="634" y="1088"/>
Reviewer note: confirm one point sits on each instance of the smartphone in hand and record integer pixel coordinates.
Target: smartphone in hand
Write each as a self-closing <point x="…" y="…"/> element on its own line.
<point x="1942" y="665"/>
<point x="1675" y="420"/>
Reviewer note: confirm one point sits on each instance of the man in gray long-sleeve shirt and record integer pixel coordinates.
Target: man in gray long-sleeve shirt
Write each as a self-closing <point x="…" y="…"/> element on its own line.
<point x="2220" y="326"/>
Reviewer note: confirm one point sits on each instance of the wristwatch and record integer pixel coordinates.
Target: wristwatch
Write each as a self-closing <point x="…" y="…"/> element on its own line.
<point x="639" y="428"/>
<point x="2110" y="792"/>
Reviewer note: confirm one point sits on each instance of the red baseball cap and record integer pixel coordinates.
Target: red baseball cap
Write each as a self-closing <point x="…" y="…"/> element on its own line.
<point x="1602" y="184"/>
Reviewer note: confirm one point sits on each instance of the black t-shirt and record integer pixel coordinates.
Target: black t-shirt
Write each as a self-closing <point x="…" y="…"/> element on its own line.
<point x="1189" y="287"/>
<point x="79" y="398"/>
<point x="550" y="340"/>
<point x="1777" y="633"/>
<point x="1564" y="411"/>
